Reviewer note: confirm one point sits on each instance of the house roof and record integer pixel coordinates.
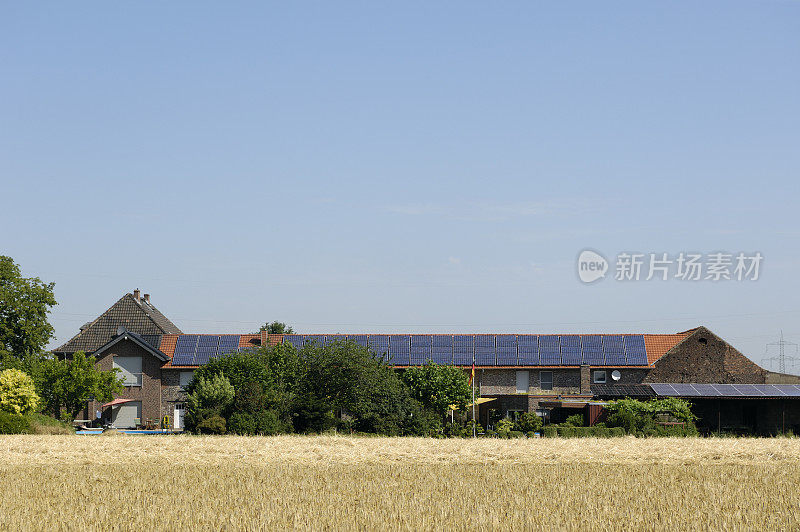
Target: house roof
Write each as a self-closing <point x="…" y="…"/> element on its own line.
<point x="139" y="317"/>
<point x="125" y="335"/>
<point x="655" y="345"/>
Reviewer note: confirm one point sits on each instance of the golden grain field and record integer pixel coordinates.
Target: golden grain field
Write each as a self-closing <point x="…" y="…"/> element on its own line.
<point x="329" y="482"/>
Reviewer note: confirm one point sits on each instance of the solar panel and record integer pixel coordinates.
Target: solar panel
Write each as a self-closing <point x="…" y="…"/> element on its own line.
<point x="507" y="351"/>
<point x="772" y="390"/>
<point x="613" y="350"/>
<point x="592" y="349"/>
<point x="208" y="341"/>
<point x="185" y="347"/>
<point x="442" y="348"/>
<point x="528" y="349"/>
<point x="635" y="352"/>
<point x="400" y="349"/>
<point x="297" y="340"/>
<point x="484" y="350"/>
<point x="707" y="390"/>
<point x="748" y="390"/>
<point x="685" y="390"/>
<point x="359" y="339"/>
<point x="571" y="350"/>
<point x="420" y="349"/>
<point x="463" y="350"/>
<point x="379" y="345"/>
<point x="317" y="340"/>
<point x="664" y="389"/>
<point x="228" y="343"/>
<point x="204" y="354"/>
<point x="549" y="350"/>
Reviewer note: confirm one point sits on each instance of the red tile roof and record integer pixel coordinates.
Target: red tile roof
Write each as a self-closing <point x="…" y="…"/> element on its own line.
<point x="657" y="345"/>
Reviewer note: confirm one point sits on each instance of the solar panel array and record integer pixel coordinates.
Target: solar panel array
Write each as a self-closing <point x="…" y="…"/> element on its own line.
<point x="495" y="350"/>
<point x="726" y="390"/>
<point x="197" y="349"/>
<point x="458" y="349"/>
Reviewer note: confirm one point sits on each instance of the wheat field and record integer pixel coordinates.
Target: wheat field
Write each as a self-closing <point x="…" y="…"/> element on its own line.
<point x="337" y="482"/>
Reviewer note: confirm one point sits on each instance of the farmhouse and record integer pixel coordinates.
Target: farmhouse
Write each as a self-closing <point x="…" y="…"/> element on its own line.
<point x="551" y="374"/>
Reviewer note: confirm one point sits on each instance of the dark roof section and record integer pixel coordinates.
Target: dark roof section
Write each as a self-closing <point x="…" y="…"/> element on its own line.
<point x="125" y="335"/>
<point x="622" y="390"/>
<point x="138" y="317"/>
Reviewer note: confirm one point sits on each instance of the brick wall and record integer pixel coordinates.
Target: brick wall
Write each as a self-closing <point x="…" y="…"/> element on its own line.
<point x="149" y="393"/>
<point x="171" y="391"/>
<point x="704" y="357"/>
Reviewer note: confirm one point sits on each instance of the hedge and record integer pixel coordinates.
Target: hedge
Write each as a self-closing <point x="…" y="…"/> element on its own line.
<point x="582" y="432"/>
<point x="14" y="424"/>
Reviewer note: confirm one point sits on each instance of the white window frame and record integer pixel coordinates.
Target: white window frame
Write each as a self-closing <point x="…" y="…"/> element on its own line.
<point x="599" y="376"/>
<point x="541" y="380"/>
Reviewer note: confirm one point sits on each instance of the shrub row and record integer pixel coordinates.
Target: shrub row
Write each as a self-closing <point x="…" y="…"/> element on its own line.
<point x="582" y="432"/>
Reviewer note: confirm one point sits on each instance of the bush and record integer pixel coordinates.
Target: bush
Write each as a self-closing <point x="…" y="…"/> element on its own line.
<point x="575" y="420"/>
<point x="268" y="424"/>
<point x="528" y="422"/>
<point x="212" y="425"/>
<point x="550" y="431"/>
<point x="516" y="434"/>
<point x="531" y="434"/>
<point x="14" y="424"/>
<point x="41" y="424"/>
<point x="241" y="423"/>
<point x="17" y="392"/>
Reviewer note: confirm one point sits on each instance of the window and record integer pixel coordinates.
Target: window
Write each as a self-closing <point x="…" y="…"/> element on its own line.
<point x="130" y="370"/>
<point x="185" y="378"/>
<point x="546" y="380"/>
<point x="600" y="377"/>
<point x="523" y="378"/>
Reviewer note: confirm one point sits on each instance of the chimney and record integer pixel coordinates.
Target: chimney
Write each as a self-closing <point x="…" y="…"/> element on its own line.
<point x="147" y="298"/>
<point x="136" y="295"/>
<point x="586" y="380"/>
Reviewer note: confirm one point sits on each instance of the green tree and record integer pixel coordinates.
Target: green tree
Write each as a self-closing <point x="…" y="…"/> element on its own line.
<point x="71" y="383"/>
<point x="17" y="392"/>
<point x="215" y="393"/>
<point x="207" y="402"/>
<point x="24" y="305"/>
<point x="276" y="327"/>
<point x="438" y="386"/>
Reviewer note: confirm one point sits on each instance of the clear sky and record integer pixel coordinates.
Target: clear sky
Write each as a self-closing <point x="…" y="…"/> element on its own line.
<point x="411" y="167"/>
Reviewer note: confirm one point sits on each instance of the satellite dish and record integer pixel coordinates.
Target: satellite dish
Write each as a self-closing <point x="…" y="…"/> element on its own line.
<point x="616" y="374"/>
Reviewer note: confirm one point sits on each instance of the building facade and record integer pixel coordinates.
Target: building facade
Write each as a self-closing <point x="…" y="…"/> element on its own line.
<point x="549" y="374"/>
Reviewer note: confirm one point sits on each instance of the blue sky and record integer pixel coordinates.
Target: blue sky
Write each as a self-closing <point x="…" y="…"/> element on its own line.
<point x="409" y="167"/>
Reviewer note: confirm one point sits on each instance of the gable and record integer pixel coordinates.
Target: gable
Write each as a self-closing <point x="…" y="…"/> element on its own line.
<point x="703" y="357"/>
<point x="138" y="317"/>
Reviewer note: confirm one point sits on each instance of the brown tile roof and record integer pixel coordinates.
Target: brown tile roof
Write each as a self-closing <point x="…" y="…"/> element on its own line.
<point x="139" y="317"/>
<point x="168" y="342"/>
<point x="249" y="340"/>
<point x="657" y="345"/>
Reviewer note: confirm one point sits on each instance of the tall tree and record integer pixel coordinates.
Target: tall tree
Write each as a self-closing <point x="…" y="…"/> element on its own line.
<point x="277" y="327"/>
<point x="438" y="386"/>
<point x="24" y="305"/>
